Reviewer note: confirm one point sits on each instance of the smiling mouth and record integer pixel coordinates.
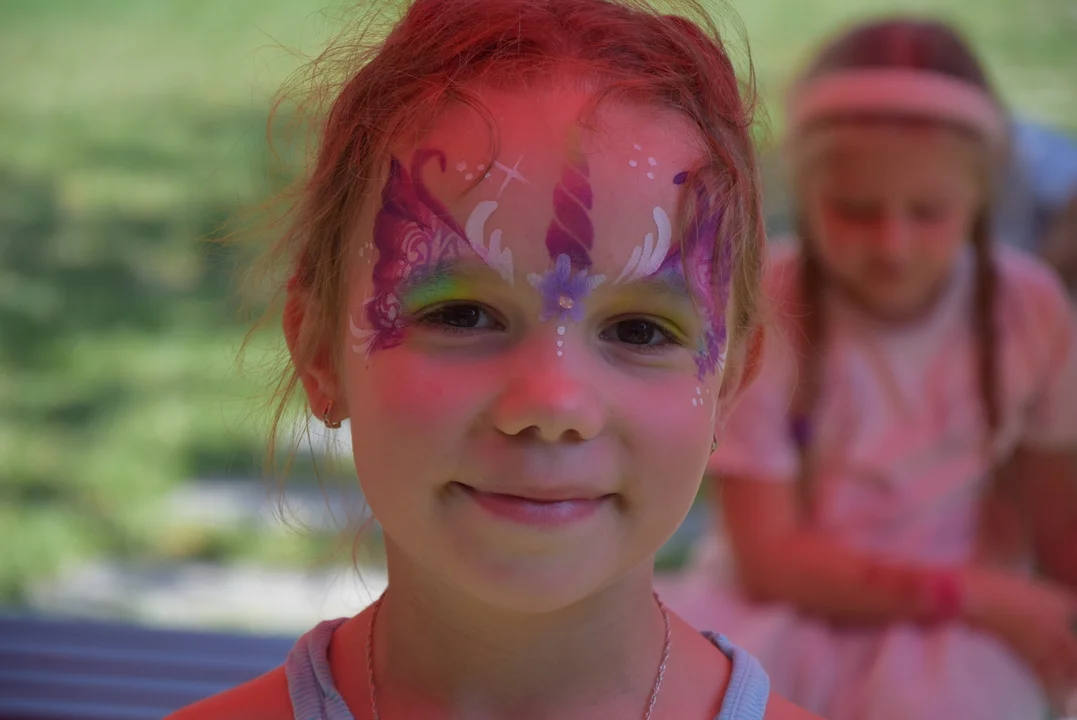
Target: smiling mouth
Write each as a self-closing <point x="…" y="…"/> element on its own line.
<point x="537" y="509"/>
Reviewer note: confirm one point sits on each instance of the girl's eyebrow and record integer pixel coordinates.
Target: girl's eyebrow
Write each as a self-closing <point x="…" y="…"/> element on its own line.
<point x="668" y="282"/>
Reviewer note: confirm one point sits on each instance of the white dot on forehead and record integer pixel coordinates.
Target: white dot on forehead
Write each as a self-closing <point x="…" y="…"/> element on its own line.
<point x="461" y="166"/>
<point x="469" y="176"/>
<point x="650" y="176"/>
<point x="633" y="163"/>
<point x="651" y="161"/>
<point x="480" y="168"/>
<point x="560" y="353"/>
<point x="561" y="330"/>
<point x="637" y="147"/>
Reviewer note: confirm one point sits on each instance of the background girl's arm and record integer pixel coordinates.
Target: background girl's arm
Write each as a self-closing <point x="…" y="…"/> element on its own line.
<point x="779" y="560"/>
<point x="1060" y="244"/>
<point x="1045" y="462"/>
<point x="1048" y="487"/>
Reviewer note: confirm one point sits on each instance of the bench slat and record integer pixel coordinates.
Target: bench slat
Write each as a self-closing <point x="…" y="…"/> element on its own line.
<point x="85" y="670"/>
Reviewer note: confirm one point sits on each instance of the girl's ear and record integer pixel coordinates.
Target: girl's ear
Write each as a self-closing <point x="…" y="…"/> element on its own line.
<point x="314" y="369"/>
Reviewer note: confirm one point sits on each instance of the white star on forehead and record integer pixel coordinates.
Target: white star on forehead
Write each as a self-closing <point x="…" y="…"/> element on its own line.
<point x="511" y="173"/>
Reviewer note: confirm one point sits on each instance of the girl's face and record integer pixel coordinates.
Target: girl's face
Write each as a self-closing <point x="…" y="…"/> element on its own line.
<point x="889" y="208"/>
<point x="532" y="390"/>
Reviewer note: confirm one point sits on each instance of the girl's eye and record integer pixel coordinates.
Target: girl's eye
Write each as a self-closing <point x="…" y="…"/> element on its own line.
<point x="640" y="334"/>
<point x="459" y="317"/>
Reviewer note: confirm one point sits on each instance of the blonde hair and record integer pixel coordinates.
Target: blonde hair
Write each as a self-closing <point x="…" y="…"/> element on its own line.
<point x="914" y="46"/>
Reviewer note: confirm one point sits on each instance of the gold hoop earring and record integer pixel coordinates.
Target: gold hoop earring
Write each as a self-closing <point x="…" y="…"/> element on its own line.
<point x="331" y="424"/>
<point x="714" y="443"/>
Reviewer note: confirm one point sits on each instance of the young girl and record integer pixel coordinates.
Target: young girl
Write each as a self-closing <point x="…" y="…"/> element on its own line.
<point x="925" y="374"/>
<point x="524" y="266"/>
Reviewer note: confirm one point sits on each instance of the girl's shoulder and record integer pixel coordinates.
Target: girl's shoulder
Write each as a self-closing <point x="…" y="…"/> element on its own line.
<point x="746" y="691"/>
<point x="1033" y="304"/>
<point x="264" y="698"/>
<point x="1028" y="277"/>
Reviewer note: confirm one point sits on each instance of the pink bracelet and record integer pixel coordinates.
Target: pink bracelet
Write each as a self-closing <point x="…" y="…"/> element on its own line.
<point x="945" y="597"/>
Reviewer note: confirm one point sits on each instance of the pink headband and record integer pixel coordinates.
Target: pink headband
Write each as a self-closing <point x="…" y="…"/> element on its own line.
<point x="898" y="92"/>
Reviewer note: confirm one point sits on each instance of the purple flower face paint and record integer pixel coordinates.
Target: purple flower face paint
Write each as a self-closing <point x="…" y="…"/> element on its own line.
<point x="563" y="290"/>
<point x="413" y="233"/>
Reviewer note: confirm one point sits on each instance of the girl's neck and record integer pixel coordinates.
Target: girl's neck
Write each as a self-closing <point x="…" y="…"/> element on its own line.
<point x="437" y="648"/>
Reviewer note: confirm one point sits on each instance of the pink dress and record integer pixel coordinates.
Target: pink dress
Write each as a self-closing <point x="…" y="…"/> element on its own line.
<point x="901" y="463"/>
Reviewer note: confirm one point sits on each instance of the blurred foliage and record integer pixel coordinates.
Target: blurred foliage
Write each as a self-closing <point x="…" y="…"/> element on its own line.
<point x="129" y="131"/>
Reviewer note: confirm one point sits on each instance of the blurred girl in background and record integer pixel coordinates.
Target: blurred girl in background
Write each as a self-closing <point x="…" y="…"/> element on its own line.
<point x="906" y="461"/>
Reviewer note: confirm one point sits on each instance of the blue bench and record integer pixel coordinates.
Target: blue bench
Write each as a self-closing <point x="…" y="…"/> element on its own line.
<point x="87" y="670"/>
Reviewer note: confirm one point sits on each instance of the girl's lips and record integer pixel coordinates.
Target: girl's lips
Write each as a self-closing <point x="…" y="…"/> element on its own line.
<point x="563" y="508"/>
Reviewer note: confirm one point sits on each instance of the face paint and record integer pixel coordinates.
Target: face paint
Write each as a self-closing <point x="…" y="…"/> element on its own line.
<point x="466" y="172"/>
<point x="563" y="290"/>
<point x="698" y="246"/>
<point x="511" y="173"/>
<point x="647" y="259"/>
<point x="430" y="289"/>
<point x="495" y="256"/>
<point x="569" y="240"/>
<point x="712" y="288"/>
<point x="651" y="162"/>
<point x="654" y="257"/>
<point x="415" y="234"/>
<point x="570" y="232"/>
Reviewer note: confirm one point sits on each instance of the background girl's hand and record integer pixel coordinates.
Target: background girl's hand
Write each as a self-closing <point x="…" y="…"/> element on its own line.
<point x="1037" y="619"/>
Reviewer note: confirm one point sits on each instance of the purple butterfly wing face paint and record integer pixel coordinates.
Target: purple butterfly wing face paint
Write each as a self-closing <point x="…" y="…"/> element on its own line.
<point x="413" y="233"/>
<point x="711" y="285"/>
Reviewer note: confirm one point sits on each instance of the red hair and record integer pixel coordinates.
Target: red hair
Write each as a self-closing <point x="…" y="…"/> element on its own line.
<point x="439" y="53"/>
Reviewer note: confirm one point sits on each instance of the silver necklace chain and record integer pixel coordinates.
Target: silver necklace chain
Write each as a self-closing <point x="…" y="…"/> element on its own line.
<point x="655" y="689"/>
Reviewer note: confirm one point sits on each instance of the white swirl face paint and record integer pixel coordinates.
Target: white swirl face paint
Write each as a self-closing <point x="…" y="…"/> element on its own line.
<point x="500" y="259"/>
<point x="647" y="258"/>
